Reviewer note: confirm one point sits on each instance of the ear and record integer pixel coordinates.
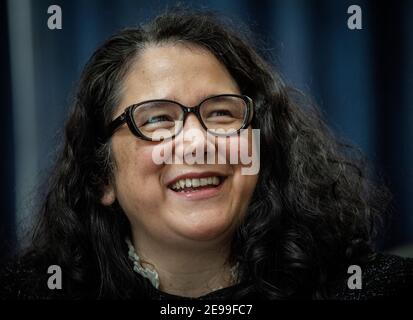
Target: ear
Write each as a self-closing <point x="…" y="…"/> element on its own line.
<point x="109" y="196"/>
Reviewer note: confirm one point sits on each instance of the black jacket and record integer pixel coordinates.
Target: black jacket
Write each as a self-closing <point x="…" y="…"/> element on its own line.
<point x="385" y="276"/>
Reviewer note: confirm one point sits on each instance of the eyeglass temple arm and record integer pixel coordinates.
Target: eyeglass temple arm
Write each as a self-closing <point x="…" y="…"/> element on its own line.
<point x="116" y="124"/>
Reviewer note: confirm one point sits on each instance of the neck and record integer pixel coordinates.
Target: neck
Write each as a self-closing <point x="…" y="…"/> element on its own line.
<point x="189" y="271"/>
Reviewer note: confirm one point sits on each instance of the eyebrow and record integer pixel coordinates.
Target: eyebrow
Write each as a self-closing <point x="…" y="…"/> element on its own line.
<point x="200" y="97"/>
<point x="174" y="98"/>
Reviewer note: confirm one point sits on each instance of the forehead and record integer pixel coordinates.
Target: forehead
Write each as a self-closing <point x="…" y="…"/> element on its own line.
<point x="185" y="73"/>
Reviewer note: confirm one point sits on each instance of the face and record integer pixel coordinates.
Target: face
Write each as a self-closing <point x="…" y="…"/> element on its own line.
<point x="144" y="189"/>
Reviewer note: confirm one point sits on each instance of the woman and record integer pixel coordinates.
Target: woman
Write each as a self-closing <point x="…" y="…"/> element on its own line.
<point x="121" y="225"/>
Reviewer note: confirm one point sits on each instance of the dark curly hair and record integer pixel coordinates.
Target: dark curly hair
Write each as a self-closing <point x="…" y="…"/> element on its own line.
<point x="314" y="210"/>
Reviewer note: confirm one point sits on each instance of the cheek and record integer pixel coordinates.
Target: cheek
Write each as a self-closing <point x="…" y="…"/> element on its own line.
<point x="133" y="159"/>
<point x="246" y="169"/>
<point x="137" y="177"/>
<point x="244" y="186"/>
<point x="240" y="149"/>
<point x="242" y="189"/>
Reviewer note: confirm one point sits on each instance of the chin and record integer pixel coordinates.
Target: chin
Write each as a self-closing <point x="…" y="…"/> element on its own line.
<point x="213" y="228"/>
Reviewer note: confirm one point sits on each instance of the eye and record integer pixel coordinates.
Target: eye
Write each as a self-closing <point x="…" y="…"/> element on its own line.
<point x="220" y="113"/>
<point x="157" y="119"/>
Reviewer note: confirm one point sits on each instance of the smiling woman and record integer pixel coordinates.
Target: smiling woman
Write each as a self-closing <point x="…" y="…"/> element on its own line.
<point x="121" y="225"/>
<point x="163" y="221"/>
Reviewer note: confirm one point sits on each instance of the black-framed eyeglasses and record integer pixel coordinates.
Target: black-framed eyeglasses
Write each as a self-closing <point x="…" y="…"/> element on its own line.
<point x="156" y="120"/>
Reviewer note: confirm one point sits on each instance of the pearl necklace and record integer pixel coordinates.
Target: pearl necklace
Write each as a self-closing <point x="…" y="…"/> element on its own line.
<point x="153" y="276"/>
<point x="147" y="273"/>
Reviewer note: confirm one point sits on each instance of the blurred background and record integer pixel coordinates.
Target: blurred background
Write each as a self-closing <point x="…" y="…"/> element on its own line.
<point x="361" y="79"/>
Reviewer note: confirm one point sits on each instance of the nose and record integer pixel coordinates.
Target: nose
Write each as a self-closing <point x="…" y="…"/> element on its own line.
<point x="193" y="143"/>
<point x="192" y="122"/>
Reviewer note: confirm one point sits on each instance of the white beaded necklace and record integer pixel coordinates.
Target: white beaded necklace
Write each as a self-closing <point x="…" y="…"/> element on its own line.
<point x="150" y="274"/>
<point x="153" y="276"/>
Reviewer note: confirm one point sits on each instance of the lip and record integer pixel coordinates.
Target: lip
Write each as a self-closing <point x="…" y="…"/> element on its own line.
<point x="196" y="175"/>
<point x="205" y="193"/>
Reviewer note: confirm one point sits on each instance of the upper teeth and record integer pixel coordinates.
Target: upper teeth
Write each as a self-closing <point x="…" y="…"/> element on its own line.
<point x="188" y="183"/>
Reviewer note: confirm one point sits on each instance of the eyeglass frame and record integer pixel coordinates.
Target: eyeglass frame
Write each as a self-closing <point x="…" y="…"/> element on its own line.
<point x="127" y="116"/>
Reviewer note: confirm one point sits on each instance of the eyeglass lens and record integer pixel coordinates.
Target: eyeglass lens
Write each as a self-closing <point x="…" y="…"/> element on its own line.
<point x="219" y="114"/>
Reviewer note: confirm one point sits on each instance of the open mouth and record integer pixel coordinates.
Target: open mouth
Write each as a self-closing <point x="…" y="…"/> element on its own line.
<point x="189" y="185"/>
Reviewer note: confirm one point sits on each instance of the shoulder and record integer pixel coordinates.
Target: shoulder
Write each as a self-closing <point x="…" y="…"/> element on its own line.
<point x="382" y="276"/>
<point x="25" y="279"/>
